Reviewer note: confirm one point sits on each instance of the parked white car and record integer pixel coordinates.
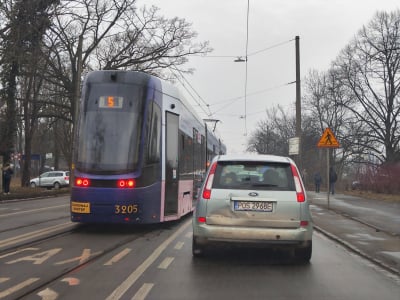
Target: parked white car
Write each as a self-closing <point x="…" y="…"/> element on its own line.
<point x="52" y="179"/>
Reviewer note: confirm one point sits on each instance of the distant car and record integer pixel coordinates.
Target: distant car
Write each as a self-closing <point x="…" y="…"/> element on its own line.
<point x="253" y="199"/>
<point x="356" y="185"/>
<point x="52" y="179"/>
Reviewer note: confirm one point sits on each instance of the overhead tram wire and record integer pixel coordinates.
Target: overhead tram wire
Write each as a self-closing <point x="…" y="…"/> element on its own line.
<point x="209" y="114"/>
<point x="245" y="82"/>
<point x="190" y="93"/>
<point x="177" y="77"/>
<point x="250" y="54"/>
<point x="230" y="101"/>
<point x="271" y="47"/>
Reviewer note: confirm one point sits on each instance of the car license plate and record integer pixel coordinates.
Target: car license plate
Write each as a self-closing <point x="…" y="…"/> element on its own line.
<point x="80" y="207"/>
<point x="253" y="206"/>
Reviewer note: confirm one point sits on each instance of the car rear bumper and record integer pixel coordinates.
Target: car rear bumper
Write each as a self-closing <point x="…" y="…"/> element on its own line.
<point x="205" y="234"/>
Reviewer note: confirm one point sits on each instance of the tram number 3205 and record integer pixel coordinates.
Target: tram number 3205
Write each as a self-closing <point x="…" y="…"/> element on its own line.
<point x="126" y="209"/>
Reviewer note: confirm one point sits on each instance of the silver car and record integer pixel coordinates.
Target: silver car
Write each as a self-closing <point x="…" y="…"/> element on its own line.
<point x="253" y="199"/>
<point x="52" y="179"/>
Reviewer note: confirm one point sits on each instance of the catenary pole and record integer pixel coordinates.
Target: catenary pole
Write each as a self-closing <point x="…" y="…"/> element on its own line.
<point x="298" y="100"/>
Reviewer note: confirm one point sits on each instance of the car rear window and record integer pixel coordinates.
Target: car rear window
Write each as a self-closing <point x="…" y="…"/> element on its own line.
<point x="253" y="175"/>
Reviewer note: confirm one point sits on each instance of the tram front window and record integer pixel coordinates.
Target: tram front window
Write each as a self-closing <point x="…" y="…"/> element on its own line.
<point x="109" y="136"/>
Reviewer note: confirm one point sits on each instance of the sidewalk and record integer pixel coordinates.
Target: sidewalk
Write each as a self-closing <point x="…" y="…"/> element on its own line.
<point x="370" y="228"/>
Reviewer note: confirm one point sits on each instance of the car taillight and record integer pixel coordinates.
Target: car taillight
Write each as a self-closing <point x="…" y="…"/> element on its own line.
<point x="66" y="178"/>
<point x="209" y="182"/>
<point x="202" y="219"/>
<point x="304" y="223"/>
<point x="82" y="182"/>
<point x="301" y="197"/>
<point x="126" y="183"/>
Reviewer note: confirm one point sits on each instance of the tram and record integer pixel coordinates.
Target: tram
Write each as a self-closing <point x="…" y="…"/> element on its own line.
<point x="140" y="151"/>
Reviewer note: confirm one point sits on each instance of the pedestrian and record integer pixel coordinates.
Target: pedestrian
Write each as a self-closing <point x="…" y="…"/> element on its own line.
<point x="317" y="181"/>
<point x="332" y="180"/>
<point x="7" y="174"/>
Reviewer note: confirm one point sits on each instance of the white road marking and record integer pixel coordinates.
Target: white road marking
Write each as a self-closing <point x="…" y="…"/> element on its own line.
<point x="179" y="245"/>
<point x="4" y="279"/>
<point x="17" y="287"/>
<point x="165" y="263"/>
<point x="86" y="254"/>
<point x="37" y="258"/>
<point x="19" y="251"/>
<point x="48" y="294"/>
<point x="143" y="291"/>
<point x="118" y="257"/>
<point x="133" y="277"/>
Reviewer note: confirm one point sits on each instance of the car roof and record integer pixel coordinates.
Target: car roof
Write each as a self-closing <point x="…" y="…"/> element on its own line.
<point x="253" y="157"/>
<point x="60" y="171"/>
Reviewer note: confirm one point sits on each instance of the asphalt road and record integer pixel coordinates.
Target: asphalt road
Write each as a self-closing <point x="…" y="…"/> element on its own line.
<point x="44" y="256"/>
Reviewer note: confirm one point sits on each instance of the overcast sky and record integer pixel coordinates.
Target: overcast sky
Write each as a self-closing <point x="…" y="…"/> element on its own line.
<point x="324" y="27"/>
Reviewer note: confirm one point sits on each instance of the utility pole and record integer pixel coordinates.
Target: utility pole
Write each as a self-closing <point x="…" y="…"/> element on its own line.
<point x="298" y="100"/>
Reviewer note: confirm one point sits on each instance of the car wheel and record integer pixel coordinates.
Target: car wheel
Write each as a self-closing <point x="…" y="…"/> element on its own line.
<point x="303" y="254"/>
<point x="33" y="185"/>
<point x="56" y="185"/>
<point x="197" y="250"/>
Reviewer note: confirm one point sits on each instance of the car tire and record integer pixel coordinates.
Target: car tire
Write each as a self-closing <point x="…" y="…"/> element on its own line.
<point x="57" y="185"/>
<point x="197" y="250"/>
<point x="33" y="185"/>
<point x="303" y="254"/>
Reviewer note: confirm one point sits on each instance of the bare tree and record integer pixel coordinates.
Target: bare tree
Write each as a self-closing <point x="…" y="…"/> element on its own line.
<point x="150" y="43"/>
<point x="370" y="71"/>
<point x="273" y="133"/>
<point x="323" y="94"/>
<point x="26" y="22"/>
<point x="46" y="43"/>
<point x="114" y="36"/>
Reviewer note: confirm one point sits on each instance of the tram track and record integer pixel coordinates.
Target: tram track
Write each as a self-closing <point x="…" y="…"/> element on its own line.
<point x="35" y="289"/>
<point x="34" y="237"/>
<point x="34" y="224"/>
<point x="126" y="235"/>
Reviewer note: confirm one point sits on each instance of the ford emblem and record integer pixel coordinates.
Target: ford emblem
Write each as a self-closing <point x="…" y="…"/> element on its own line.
<point x="253" y="194"/>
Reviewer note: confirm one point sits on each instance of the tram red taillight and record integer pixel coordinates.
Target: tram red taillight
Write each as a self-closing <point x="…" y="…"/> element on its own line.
<point x="82" y="182"/>
<point x="121" y="183"/>
<point x="126" y="183"/>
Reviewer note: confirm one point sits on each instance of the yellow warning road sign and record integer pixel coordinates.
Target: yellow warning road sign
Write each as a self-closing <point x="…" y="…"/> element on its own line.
<point x="328" y="140"/>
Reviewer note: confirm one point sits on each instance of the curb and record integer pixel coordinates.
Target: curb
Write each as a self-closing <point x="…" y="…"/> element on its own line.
<point x="357" y="251"/>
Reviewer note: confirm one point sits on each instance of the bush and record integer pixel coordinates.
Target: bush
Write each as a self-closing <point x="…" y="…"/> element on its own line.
<point x="384" y="179"/>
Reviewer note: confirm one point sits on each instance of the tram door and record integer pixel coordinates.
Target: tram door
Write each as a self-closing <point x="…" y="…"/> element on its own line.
<point x="171" y="168"/>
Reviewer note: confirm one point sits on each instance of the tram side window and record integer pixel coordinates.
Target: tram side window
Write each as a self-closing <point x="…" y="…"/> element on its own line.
<point x="186" y="157"/>
<point x="203" y="153"/>
<point x="198" y="161"/>
<point x="154" y="135"/>
<point x="197" y="152"/>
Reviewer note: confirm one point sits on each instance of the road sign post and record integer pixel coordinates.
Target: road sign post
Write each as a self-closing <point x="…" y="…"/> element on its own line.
<point x="328" y="141"/>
